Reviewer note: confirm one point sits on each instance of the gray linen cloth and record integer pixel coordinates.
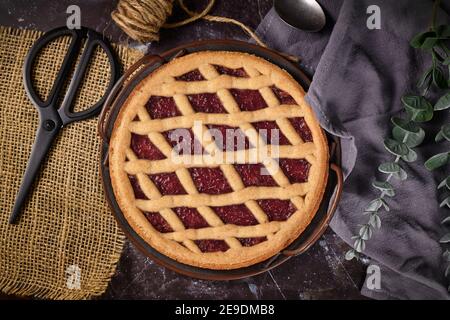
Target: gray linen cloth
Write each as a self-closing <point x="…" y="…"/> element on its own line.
<point x="359" y="78"/>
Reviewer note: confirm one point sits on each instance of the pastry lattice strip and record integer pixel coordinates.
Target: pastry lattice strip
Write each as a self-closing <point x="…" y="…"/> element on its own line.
<point x="186" y="181"/>
<point x="152" y="192"/>
<point x="276" y="113"/>
<point x="154" y="127"/>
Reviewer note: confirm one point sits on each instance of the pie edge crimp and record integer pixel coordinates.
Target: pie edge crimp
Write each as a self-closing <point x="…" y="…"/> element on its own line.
<point x="233" y="258"/>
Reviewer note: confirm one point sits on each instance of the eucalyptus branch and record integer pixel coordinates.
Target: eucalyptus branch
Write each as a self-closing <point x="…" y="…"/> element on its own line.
<point x="438" y="38"/>
<point x="435" y="162"/>
<point x="406" y="134"/>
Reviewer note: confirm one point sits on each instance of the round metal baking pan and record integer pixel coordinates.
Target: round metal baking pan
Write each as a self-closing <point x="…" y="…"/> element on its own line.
<point x="118" y="96"/>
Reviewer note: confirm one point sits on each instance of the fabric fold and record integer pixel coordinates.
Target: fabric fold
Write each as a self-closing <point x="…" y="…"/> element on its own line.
<point x="359" y="76"/>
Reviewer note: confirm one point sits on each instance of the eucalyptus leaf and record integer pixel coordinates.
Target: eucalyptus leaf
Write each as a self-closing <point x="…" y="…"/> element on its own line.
<point x="394" y="169"/>
<point x="439" y="136"/>
<point x="445" y="202"/>
<point x="420" y="38"/>
<point x="385" y="205"/>
<point x="446" y="61"/>
<point x="405" y="125"/>
<point x="443" y="102"/>
<point x="446" y="220"/>
<point x="375" y="221"/>
<point x="385" y="187"/>
<point x="382" y="185"/>
<point x="350" y="254"/>
<point x="425" y="78"/>
<point x="418" y="108"/>
<point x="437" y="55"/>
<point x="439" y="78"/>
<point x="446" y="131"/>
<point x="389" y="167"/>
<point x="436" y="161"/>
<point x="445" y="238"/>
<point x="401" y="175"/>
<point x="414" y="102"/>
<point x="359" y="245"/>
<point x="373" y="206"/>
<point x="411" y="156"/>
<point x="429" y="43"/>
<point x="445" y="182"/>
<point x="412" y="139"/>
<point x="395" y="147"/>
<point x="365" y="232"/>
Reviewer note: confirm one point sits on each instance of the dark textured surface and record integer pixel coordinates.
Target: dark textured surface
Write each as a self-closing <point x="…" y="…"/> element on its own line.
<point x="321" y="273"/>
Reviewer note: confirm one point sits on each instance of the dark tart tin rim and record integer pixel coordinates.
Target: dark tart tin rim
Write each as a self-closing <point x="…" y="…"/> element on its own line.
<point x="118" y="96"/>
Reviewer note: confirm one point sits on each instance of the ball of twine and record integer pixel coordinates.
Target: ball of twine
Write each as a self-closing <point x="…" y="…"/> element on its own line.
<point x="142" y="19"/>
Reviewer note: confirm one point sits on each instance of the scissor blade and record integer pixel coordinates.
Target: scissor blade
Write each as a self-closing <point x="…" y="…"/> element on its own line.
<point x="45" y="136"/>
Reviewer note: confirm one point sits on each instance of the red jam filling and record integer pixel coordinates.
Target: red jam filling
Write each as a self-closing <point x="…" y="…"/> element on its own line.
<point x="266" y="130"/>
<point x="162" y="107"/>
<point x="239" y="73"/>
<point x="138" y="193"/>
<point x="237" y="214"/>
<point x="143" y="148"/>
<point x="296" y="170"/>
<point x="251" y="175"/>
<point x="231" y="138"/>
<point x="158" y="222"/>
<point x="184" y="141"/>
<point x="193" y="75"/>
<point x="206" y="102"/>
<point x="191" y="218"/>
<point x="248" y="242"/>
<point x="302" y="128"/>
<point x="168" y="183"/>
<point x="277" y="210"/>
<point x="210" y="180"/>
<point x="283" y="96"/>
<point x="248" y="100"/>
<point x="212" y="245"/>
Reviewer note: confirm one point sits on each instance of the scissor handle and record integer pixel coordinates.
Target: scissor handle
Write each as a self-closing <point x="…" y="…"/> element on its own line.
<point x="51" y="117"/>
<point x="92" y="40"/>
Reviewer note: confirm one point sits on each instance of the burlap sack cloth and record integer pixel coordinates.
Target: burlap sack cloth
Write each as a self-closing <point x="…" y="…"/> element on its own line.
<point x="67" y="243"/>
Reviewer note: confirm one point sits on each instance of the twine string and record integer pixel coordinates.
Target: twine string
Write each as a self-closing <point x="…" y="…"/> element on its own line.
<point x="193" y="16"/>
<point x="142" y="19"/>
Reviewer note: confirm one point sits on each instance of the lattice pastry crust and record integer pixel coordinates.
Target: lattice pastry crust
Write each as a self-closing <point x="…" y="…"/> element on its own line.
<point x="187" y="245"/>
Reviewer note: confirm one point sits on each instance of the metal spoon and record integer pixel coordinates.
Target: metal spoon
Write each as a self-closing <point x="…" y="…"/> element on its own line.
<point x="306" y="15"/>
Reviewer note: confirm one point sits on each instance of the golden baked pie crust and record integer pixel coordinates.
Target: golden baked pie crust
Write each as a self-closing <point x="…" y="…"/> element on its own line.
<point x="179" y="245"/>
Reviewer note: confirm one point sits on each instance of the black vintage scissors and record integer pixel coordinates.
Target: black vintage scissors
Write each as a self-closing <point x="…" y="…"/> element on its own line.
<point x="53" y="117"/>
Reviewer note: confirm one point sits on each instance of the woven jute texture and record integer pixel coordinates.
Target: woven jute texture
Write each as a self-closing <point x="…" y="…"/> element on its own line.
<point x="67" y="243"/>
